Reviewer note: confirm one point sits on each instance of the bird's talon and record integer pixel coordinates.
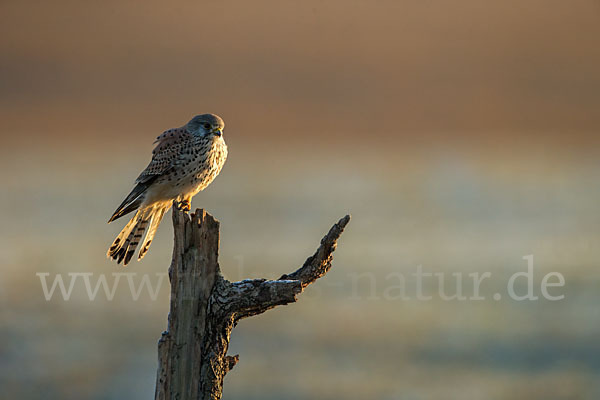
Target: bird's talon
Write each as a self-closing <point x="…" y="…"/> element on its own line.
<point x="184" y="205"/>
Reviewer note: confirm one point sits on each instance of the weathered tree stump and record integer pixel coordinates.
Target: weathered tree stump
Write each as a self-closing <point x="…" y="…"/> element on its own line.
<point x="205" y="307"/>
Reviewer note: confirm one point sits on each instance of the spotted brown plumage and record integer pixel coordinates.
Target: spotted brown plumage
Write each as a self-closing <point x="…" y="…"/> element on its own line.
<point x="184" y="162"/>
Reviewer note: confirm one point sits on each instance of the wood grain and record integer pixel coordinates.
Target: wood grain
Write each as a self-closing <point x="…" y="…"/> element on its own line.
<point x="205" y="307"/>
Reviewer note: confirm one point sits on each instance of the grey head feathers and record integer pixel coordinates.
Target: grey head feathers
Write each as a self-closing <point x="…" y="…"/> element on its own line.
<point x="206" y="124"/>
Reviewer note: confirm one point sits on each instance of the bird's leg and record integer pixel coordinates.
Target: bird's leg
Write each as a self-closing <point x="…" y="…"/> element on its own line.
<point x="185" y="204"/>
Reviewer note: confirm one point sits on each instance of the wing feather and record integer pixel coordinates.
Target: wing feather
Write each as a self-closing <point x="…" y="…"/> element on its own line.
<point x="167" y="152"/>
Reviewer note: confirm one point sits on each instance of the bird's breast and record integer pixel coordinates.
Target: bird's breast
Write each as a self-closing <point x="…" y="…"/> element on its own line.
<point x="204" y="168"/>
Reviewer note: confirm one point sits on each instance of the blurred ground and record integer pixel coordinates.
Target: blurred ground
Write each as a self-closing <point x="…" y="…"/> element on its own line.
<point x="460" y="136"/>
<point x="344" y="338"/>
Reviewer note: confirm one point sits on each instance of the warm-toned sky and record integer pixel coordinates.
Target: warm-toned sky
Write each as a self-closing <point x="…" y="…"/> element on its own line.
<point x="468" y="69"/>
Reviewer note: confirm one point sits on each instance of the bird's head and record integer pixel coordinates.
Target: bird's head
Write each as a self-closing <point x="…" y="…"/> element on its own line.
<point x="206" y="125"/>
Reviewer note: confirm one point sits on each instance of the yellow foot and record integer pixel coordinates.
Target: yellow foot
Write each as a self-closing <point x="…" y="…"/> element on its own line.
<point x="184" y="205"/>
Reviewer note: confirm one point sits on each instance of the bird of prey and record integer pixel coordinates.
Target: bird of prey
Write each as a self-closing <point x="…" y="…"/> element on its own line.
<point x="184" y="162"/>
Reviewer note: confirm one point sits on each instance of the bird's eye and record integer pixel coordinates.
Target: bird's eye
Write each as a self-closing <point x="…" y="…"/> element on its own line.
<point x="206" y="126"/>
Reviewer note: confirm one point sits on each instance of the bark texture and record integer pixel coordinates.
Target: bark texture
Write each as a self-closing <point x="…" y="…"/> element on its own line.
<point x="205" y="307"/>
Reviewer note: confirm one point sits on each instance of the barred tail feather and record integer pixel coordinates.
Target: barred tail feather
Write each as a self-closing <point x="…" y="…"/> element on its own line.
<point x="155" y="221"/>
<point x="122" y="249"/>
<point x="120" y="239"/>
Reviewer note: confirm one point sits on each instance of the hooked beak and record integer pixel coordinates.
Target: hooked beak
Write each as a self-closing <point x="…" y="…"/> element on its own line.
<point x="218" y="132"/>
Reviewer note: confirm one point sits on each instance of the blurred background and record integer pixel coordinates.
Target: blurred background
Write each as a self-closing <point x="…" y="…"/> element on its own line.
<point x="461" y="136"/>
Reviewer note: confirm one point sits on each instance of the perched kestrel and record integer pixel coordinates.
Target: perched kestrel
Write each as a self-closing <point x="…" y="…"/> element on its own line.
<point x="184" y="162"/>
